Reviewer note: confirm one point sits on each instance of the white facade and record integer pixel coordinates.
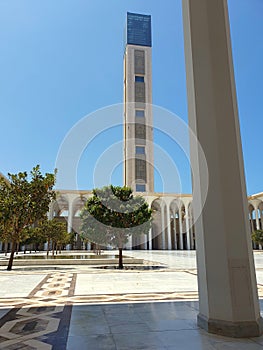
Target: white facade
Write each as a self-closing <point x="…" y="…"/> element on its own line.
<point x="173" y="224"/>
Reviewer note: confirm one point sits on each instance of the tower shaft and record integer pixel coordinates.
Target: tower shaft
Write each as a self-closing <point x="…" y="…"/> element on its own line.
<point x="138" y="121"/>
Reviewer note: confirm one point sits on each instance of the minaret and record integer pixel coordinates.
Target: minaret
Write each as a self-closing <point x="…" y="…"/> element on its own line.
<point x="138" y="129"/>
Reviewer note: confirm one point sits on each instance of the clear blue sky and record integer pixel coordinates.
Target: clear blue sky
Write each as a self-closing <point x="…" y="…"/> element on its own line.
<point x="62" y="60"/>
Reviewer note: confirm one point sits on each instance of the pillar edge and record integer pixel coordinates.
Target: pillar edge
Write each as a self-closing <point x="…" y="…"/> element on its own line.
<point x="244" y="329"/>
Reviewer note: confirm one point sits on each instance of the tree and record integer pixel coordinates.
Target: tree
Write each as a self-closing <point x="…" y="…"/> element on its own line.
<point x="84" y="240"/>
<point x="24" y="202"/>
<point x="54" y="233"/>
<point x="257" y="237"/>
<point x="112" y="215"/>
<point x="31" y="239"/>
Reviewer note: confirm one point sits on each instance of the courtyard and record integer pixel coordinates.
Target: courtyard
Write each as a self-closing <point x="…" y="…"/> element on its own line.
<point x="88" y="307"/>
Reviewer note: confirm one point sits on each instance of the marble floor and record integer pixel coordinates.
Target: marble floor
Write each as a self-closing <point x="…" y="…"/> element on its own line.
<point x="82" y="307"/>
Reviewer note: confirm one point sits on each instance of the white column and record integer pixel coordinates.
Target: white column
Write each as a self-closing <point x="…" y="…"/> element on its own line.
<point x="257" y="219"/>
<point x="145" y="241"/>
<point x="70" y="221"/>
<point x="181" y="242"/>
<point x="175" y="237"/>
<point x="251" y="221"/>
<point x="163" y="227"/>
<point x="50" y="216"/>
<point x="187" y="227"/>
<point x="252" y="227"/>
<point x="150" y="239"/>
<point x="192" y="229"/>
<point x="228" y="300"/>
<point x="260" y="225"/>
<point x="129" y="244"/>
<point x="168" y="216"/>
<point x="51" y="212"/>
<point x="257" y="224"/>
<point x="70" y="217"/>
<point x="261" y="218"/>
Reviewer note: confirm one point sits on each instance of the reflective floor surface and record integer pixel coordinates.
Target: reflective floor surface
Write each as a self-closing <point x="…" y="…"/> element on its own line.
<point x="80" y="307"/>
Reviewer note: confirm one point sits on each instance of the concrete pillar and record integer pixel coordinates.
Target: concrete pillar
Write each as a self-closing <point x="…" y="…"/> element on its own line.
<point x="257" y="219"/>
<point x="129" y="244"/>
<point x="70" y="217"/>
<point x="187" y="227"/>
<point x="252" y="229"/>
<point x="168" y="216"/>
<point x="163" y="227"/>
<point x="145" y="241"/>
<point x="260" y="225"/>
<point x="150" y="239"/>
<point x="51" y="212"/>
<point x="174" y="233"/>
<point x="261" y="219"/>
<point x="181" y="242"/>
<point x="192" y="230"/>
<point x="257" y="224"/>
<point x="251" y="221"/>
<point x="70" y="222"/>
<point x="228" y="300"/>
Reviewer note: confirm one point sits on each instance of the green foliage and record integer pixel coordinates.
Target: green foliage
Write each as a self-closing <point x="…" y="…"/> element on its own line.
<point x="113" y="214"/>
<point x="32" y="236"/>
<point x="257" y="236"/>
<point x="53" y="231"/>
<point x="24" y="202"/>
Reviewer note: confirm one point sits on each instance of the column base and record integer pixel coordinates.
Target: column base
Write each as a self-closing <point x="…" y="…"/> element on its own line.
<point x="243" y="329"/>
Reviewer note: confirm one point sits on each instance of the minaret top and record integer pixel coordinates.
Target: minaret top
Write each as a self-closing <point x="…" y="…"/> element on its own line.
<point x="138" y="29"/>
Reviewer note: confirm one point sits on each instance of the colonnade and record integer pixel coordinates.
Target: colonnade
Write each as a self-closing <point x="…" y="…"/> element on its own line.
<point x="173" y="222"/>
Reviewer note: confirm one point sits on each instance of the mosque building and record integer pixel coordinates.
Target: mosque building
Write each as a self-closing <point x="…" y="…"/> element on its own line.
<point x="173" y="225"/>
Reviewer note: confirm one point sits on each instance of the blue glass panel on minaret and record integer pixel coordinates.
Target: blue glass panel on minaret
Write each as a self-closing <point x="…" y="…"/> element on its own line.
<point x="139" y="29"/>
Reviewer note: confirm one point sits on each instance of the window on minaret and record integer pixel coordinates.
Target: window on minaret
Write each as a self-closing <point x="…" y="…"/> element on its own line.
<point x="139" y="92"/>
<point x="140" y="170"/>
<point x="140" y="188"/>
<point x="139" y="62"/>
<point x="139" y="113"/>
<point x="140" y="150"/>
<point x="139" y="79"/>
<point x="140" y="131"/>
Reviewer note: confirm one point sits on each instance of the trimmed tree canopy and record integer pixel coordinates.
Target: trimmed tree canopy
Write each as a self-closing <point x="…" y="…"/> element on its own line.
<point x="113" y="214"/>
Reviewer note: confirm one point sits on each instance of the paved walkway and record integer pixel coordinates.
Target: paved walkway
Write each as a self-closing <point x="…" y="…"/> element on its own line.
<point x="81" y="307"/>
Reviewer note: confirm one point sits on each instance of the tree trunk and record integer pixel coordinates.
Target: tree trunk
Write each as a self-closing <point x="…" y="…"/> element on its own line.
<point x="11" y="258"/>
<point x="120" y="259"/>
